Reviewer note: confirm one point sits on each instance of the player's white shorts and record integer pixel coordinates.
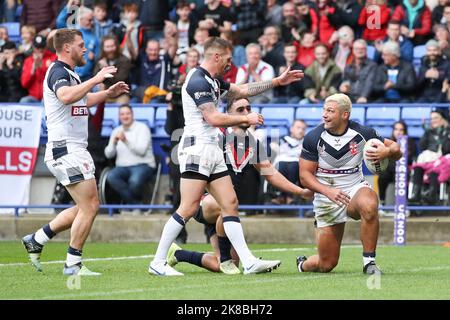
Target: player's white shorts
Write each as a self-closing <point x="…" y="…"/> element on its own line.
<point x="72" y="167"/>
<point x="204" y="158"/>
<point x="328" y="213"/>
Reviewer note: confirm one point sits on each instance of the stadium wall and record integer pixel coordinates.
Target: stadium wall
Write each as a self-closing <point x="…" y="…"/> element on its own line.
<point x="258" y="229"/>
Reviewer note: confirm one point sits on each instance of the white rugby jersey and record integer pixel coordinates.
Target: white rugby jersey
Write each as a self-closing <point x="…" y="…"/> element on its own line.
<point x="200" y="88"/>
<point x="339" y="158"/>
<point x="67" y="124"/>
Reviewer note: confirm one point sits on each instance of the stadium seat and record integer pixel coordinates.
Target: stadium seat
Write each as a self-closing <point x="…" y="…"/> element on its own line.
<point x="13" y="31"/>
<point x="145" y="114"/>
<point x="311" y="115"/>
<point x="110" y="119"/>
<point x="160" y="120"/>
<point x="414" y="117"/>
<point x="382" y="118"/>
<point x="419" y="52"/>
<point x="371" y="50"/>
<point x="285" y="112"/>
<point x="358" y="114"/>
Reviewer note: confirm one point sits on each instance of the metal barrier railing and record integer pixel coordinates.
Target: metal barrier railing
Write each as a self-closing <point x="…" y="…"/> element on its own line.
<point x="300" y="208"/>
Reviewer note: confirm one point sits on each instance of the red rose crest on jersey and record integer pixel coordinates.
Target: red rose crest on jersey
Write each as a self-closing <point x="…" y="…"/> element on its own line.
<point x="353" y="148"/>
<point x="78" y="111"/>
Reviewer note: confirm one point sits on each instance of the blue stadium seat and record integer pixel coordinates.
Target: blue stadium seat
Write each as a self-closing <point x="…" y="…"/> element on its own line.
<point x="382" y="119"/>
<point x="414" y="117"/>
<point x="111" y="115"/>
<point x="107" y="127"/>
<point x="419" y="52"/>
<point x="371" y="50"/>
<point x="285" y="112"/>
<point x="145" y="114"/>
<point x="358" y="114"/>
<point x="311" y="115"/>
<point x="160" y="121"/>
<point x="13" y="31"/>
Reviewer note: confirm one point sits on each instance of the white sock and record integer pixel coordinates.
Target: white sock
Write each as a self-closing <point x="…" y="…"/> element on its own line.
<point x="41" y="237"/>
<point x="367" y="260"/>
<point x="170" y="232"/>
<point x="72" y="260"/>
<point x="235" y="234"/>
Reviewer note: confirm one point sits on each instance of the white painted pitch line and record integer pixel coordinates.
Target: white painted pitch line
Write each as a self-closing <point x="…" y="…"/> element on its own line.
<point x="18" y="264"/>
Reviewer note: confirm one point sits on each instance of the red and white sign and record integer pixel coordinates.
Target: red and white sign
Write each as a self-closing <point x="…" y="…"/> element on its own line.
<point x="20" y="128"/>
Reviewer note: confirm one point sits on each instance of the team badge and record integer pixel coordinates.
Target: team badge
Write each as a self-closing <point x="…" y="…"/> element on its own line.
<point x="353" y="148"/>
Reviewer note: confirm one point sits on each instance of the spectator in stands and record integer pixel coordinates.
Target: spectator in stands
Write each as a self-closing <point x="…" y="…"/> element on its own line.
<point x="131" y="145"/>
<point x="375" y="11"/>
<point x="256" y="70"/>
<point x="41" y="14"/>
<point x="186" y="23"/>
<point x="305" y="44"/>
<point x="432" y="73"/>
<point x="250" y="19"/>
<point x="415" y="18"/>
<point x="102" y="25"/>
<point x="358" y="77"/>
<point x="238" y="55"/>
<point x="437" y="15"/>
<point x="442" y="37"/>
<point x="325" y="21"/>
<point x="67" y="16"/>
<point x="434" y="143"/>
<point x="215" y="17"/>
<point x="293" y="92"/>
<point x="342" y="50"/>
<point x="394" y="34"/>
<point x="349" y="12"/>
<point x="273" y="47"/>
<point x="3" y="35"/>
<point x="200" y="37"/>
<point x="86" y="23"/>
<point x="292" y="25"/>
<point x="155" y="70"/>
<point x="129" y="32"/>
<point x="288" y="156"/>
<point x="111" y="56"/>
<point x="388" y="176"/>
<point x="274" y="14"/>
<point x="395" y="80"/>
<point x="27" y="33"/>
<point x="192" y="61"/>
<point x="446" y="17"/>
<point x="34" y="70"/>
<point x="11" y="63"/>
<point x="322" y="78"/>
<point x="8" y="10"/>
<point x="152" y="15"/>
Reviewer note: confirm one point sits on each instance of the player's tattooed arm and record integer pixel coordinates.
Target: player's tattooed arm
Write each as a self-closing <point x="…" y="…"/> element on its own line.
<point x="219" y="119"/>
<point x="255" y="88"/>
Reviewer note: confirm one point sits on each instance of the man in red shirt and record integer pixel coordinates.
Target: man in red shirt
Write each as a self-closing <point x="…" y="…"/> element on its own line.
<point x="34" y="69"/>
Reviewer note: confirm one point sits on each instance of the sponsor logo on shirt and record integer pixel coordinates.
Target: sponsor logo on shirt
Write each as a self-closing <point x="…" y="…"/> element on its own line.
<point x="79" y="111"/>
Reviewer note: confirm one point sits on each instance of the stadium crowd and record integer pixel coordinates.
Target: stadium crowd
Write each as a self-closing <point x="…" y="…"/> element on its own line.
<point x="374" y="51"/>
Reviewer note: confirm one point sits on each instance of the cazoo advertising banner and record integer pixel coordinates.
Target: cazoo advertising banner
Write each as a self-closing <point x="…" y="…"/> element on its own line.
<point x="19" y="140"/>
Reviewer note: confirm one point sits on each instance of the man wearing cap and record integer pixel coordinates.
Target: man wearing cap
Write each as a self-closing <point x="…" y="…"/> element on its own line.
<point x="395" y="79"/>
<point x="34" y="69"/>
<point x="432" y="73"/>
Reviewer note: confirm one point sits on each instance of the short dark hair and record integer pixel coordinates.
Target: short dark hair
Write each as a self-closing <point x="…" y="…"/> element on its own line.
<point x="182" y="4"/>
<point x="63" y="36"/>
<point x="126" y="105"/>
<point x="217" y="43"/>
<point x="231" y="101"/>
<point x="101" y="4"/>
<point x="395" y="22"/>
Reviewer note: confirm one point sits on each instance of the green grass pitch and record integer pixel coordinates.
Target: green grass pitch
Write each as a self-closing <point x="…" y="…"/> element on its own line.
<point x="411" y="272"/>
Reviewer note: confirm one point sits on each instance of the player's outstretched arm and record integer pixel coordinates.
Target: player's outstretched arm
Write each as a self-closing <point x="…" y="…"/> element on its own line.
<point x="308" y="180"/>
<point x="73" y="94"/>
<point x="252" y="89"/>
<point x="275" y="178"/>
<point x="119" y="88"/>
<point x="219" y="119"/>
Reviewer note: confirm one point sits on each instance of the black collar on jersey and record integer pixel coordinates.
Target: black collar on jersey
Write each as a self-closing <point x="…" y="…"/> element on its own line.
<point x="340" y="135"/>
<point x="205" y="72"/>
<point x="65" y="65"/>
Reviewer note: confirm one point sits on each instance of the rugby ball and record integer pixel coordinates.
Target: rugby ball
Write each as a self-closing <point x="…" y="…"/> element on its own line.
<point x="375" y="168"/>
